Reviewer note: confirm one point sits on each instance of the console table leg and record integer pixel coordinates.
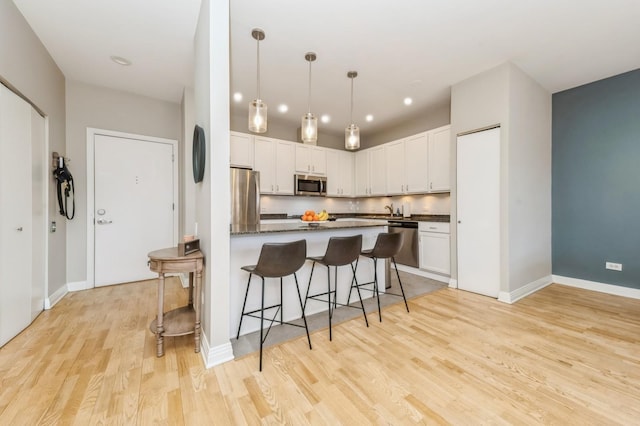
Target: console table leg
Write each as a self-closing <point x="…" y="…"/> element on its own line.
<point x="198" y="304"/>
<point x="160" y="326"/>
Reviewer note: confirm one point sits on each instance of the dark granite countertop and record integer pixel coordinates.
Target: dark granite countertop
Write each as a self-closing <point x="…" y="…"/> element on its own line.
<point x="300" y="227"/>
<point x="415" y="217"/>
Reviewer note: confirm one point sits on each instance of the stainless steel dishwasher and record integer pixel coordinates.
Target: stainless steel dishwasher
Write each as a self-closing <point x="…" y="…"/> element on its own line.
<point x="409" y="252"/>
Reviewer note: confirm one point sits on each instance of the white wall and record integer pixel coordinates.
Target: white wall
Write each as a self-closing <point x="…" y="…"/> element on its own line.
<point x="187" y="185"/>
<point x="529" y="180"/>
<point x="102" y="108"/>
<point x="212" y="114"/>
<point x="478" y="102"/>
<point x="27" y="66"/>
<point x="505" y="95"/>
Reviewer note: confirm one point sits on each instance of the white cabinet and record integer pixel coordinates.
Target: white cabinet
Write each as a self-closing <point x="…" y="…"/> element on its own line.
<point x="311" y="160"/>
<point x="361" y="177"/>
<point x="407" y="165"/>
<point x="434" y="247"/>
<point x="241" y="150"/>
<point x="371" y="172"/>
<point x="339" y="173"/>
<point x="395" y="167"/>
<point x="275" y="160"/>
<point x="416" y="152"/>
<point x="439" y="159"/>
<point x="377" y="171"/>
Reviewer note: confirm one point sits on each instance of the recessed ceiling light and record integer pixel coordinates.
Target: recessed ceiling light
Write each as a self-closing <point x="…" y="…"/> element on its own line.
<point x="283" y="108"/>
<point x="237" y="97"/>
<point x="408" y="101"/>
<point x="369" y="117"/>
<point x="325" y="118"/>
<point x="121" y="61"/>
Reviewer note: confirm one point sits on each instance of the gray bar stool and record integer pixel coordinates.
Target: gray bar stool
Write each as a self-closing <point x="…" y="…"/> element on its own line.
<point x="387" y="246"/>
<point x="340" y="251"/>
<point x="277" y="260"/>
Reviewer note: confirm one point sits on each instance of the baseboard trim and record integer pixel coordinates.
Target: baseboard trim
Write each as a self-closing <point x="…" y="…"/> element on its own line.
<point x="453" y="283"/>
<point x="422" y="273"/>
<point x="615" y="290"/>
<point x="77" y="286"/>
<point x="57" y="295"/>
<point x="524" y="291"/>
<point x="212" y="356"/>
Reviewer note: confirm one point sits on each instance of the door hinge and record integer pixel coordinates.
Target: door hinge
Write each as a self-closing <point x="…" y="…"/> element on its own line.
<point x="173" y="206"/>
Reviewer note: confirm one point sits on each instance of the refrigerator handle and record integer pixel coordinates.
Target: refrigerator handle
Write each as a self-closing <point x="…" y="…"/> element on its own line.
<point x="257" y="184"/>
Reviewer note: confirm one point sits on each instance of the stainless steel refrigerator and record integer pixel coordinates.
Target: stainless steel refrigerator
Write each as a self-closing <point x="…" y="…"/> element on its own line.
<point x="245" y="196"/>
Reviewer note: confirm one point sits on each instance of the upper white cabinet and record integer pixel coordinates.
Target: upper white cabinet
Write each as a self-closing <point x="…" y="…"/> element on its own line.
<point x="407" y="165"/>
<point x="275" y="160"/>
<point x="339" y="173"/>
<point x="241" y="150"/>
<point x="439" y="159"/>
<point x="371" y="172"/>
<point x="311" y="160"/>
<point x="377" y="171"/>
<point x="361" y="175"/>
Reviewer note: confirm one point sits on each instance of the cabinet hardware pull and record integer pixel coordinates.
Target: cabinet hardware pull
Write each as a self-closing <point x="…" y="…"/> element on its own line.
<point x="19" y="229"/>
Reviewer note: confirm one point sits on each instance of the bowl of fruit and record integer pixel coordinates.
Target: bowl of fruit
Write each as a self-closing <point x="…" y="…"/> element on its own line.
<point x="312" y="218"/>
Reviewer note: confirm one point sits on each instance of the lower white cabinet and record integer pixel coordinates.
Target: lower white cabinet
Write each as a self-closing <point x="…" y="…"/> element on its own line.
<point x="434" y="241"/>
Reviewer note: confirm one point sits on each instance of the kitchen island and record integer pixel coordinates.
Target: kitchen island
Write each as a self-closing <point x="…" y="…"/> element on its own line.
<point x="246" y="242"/>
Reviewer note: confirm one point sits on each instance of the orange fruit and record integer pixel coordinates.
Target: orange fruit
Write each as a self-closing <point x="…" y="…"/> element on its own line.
<point x="316" y="217"/>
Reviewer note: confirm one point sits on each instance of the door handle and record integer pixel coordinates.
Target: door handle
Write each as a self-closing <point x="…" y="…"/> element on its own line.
<point x="19" y="229"/>
<point x="103" y="222"/>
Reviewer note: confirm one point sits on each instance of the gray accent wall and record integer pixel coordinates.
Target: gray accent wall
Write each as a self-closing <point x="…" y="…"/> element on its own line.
<point x="596" y="180"/>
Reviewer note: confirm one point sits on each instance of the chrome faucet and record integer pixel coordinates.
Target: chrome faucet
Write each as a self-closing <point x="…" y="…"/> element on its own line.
<point x="390" y="209"/>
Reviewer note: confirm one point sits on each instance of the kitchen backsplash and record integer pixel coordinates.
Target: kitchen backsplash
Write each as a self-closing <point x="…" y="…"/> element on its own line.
<point x="419" y="204"/>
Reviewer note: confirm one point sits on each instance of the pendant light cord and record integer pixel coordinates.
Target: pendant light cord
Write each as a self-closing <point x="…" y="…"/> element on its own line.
<point x="258" y="73"/>
<point x="309" y="98"/>
<point x="351" y="117"/>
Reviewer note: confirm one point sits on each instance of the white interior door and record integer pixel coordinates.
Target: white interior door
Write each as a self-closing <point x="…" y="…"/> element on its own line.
<point x="15" y="215"/>
<point x="134" y="206"/>
<point x="40" y="171"/>
<point x="478" y="203"/>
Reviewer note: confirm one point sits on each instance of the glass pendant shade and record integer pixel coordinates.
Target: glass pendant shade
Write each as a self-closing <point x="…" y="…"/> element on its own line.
<point x="352" y="137"/>
<point x="309" y="127"/>
<point x="258" y="116"/>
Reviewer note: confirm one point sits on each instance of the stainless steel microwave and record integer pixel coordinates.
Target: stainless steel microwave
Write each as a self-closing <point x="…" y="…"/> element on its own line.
<point x="310" y="185"/>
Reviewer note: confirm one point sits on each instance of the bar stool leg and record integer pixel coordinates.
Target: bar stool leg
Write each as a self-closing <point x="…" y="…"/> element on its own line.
<point x="306" y="297"/>
<point x="375" y="285"/>
<point x="244" y="304"/>
<point x="400" y="283"/>
<point x="329" y="299"/>
<point x="261" y="323"/>
<point x="304" y="318"/>
<point x="364" y="313"/>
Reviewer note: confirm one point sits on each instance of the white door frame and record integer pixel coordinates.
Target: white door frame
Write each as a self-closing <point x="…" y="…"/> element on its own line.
<point x="91" y="133"/>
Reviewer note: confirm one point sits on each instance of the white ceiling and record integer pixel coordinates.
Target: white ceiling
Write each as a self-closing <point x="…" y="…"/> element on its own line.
<point x="415" y="48"/>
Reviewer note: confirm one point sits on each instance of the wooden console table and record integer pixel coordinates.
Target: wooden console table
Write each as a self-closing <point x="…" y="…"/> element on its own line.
<point x="184" y="320"/>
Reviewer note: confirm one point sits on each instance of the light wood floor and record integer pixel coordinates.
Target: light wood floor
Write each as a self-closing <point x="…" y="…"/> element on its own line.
<point x="560" y="356"/>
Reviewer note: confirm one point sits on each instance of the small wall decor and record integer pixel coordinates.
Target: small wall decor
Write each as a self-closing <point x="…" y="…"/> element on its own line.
<point x="199" y="153"/>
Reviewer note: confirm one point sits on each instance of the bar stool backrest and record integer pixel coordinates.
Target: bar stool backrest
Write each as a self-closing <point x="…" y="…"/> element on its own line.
<point x="281" y="259"/>
<point x="387" y="245"/>
<point x="343" y="250"/>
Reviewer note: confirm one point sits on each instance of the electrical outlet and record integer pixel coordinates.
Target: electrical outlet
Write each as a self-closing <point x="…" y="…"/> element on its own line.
<point x="613" y="266"/>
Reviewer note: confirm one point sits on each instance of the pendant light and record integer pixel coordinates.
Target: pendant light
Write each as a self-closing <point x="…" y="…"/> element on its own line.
<point x="309" y="126"/>
<point x="352" y="132"/>
<point x="257" y="108"/>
